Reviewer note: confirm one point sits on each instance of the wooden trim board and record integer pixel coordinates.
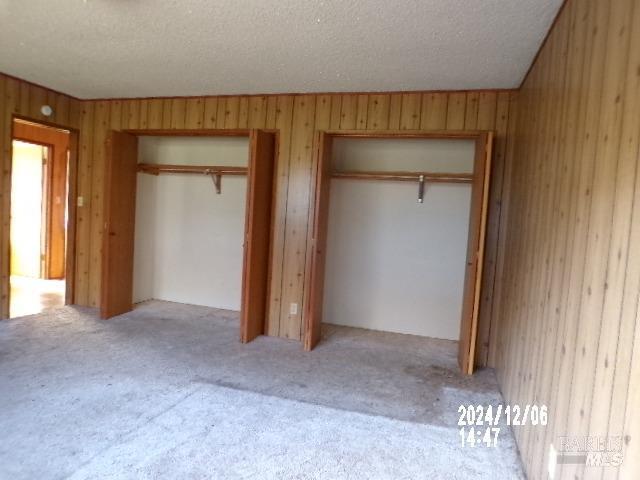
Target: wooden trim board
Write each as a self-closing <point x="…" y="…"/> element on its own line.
<point x="25" y="128"/>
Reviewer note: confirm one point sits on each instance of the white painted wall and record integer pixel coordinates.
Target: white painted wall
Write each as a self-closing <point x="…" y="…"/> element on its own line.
<point x="26" y="209"/>
<point x="188" y="239"/>
<point x="394" y="264"/>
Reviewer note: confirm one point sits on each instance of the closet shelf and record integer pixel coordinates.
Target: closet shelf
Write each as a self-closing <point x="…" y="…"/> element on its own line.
<point x="406" y="176"/>
<point x="156" y="169"/>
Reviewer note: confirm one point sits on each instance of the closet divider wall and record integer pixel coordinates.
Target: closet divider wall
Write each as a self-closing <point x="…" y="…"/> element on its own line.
<point x="120" y="200"/>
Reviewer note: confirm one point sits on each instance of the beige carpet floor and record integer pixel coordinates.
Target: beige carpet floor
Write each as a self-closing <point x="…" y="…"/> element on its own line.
<point x="167" y="391"/>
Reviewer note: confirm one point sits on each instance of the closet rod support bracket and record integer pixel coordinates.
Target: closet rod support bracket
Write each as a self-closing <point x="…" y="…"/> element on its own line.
<point x="421" y="189"/>
<point x="217" y="180"/>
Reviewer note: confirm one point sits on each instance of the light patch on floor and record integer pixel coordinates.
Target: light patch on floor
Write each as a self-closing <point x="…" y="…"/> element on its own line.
<point x="35" y="295"/>
<point x="168" y="391"/>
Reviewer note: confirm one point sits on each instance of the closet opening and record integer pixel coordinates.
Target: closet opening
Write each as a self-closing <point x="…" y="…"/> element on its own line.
<point x="42" y="221"/>
<point x="188" y="219"/>
<point x="397" y="239"/>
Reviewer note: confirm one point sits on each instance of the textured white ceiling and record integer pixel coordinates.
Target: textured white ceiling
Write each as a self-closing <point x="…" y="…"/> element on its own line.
<point x="140" y="48"/>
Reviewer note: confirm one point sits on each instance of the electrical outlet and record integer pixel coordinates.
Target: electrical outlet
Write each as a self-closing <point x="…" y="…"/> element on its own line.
<point x="293" y="309"/>
<point x="553" y="461"/>
<point x="80" y="201"/>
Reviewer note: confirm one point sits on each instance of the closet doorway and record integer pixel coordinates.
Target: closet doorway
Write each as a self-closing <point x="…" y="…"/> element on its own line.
<point x="397" y="240"/>
<point x="42" y="222"/>
<point x="175" y="201"/>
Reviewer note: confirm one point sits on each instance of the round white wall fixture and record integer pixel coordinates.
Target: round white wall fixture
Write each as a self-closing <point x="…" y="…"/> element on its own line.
<point x="46" y="110"/>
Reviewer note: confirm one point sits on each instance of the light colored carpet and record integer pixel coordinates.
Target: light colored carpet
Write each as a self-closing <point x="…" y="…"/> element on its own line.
<point x="167" y="391"/>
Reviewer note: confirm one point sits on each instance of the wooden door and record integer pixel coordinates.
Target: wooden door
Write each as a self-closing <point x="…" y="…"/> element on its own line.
<point x="56" y="205"/>
<point x="119" y="214"/>
<point x="475" y="253"/>
<point x="257" y="242"/>
<point x="313" y="302"/>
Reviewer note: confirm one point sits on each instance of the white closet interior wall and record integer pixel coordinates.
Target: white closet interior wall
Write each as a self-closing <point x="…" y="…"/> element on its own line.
<point x="188" y="241"/>
<point x="394" y="264"/>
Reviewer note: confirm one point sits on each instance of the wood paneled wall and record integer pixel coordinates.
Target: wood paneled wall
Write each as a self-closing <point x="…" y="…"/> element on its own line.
<point x="296" y="117"/>
<point x="569" y="275"/>
<point x="24" y="99"/>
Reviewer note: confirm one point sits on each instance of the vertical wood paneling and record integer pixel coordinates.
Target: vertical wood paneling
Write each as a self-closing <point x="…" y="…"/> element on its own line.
<point x="178" y="113"/>
<point x="349" y="112"/>
<point x="336" y="112"/>
<point x="410" y="111"/>
<point x="456" y="106"/>
<point x="167" y="108"/>
<point x="272" y="111"/>
<point x="380" y="111"/>
<point x="37" y="98"/>
<point x="231" y="112"/>
<point x="567" y="278"/>
<point x="471" y="111"/>
<point x="61" y="106"/>
<point x="434" y="111"/>
<point x="284" y="119"/>
<point x="553" y="201"/>
<point x="102" y="125"/>
<point x="296" y="118"/>
<point x="257" y="112"/>
<point x="323" y="112"/>
<point x="83" y="217"/>
<point x="298" y="202"/>
<point x="131" y="114"/>
<point x="210" y="112"/>
<point x="243" y="112"/>
<point x="598" y="271"/>
<point x="155" y="113"/>
<point x="118" y="115"/>
<point x="488" y="102"/>
<point x="361" y="115"/>
<point x="378" y="115"/>
<point x="221" y="116"/>
<point x="395" y="110"/>
<point x="24" y="99"/>
<point x="143" y="114"/>
<point x="195" y="113"/>
<point x="497" y="341"/>
<point x="11" y="105"/>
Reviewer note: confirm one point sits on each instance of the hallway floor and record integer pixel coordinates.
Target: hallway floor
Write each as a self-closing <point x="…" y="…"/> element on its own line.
<point x="168" y="391"/>
<point x="35" y="295"/>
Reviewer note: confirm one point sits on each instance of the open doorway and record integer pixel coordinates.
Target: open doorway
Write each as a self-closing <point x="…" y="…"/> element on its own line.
<point x="165" y="263"/>
<point x="391" y="263"/>
<point x="39" y="227"/>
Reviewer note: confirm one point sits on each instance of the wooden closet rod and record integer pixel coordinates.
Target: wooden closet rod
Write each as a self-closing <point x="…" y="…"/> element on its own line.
<point x="156" y="169"/>
<point x="407" y="176"/>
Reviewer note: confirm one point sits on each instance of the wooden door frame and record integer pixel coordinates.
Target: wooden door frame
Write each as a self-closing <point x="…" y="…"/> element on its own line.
<point x="251" y="134"/>
<point x="49" y="138"/>
<point x="482" y="173"/>
<point x="70" y="254"/>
